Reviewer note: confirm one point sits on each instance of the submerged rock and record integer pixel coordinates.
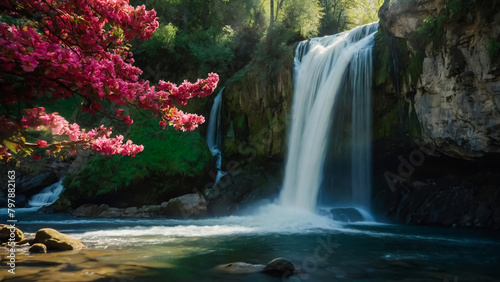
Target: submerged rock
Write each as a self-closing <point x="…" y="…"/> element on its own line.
<point x="5" y="233"/>
<point x="38" y="248"/>
<point x="346" y="214"/>
<point x="55" y="240"/>
<point x="279" y="267"/>
<point x="239" y="268"/>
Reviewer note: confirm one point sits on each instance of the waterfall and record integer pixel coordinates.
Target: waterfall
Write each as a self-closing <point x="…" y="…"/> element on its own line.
<point x="329" y="72"/>
<point x="48" y="195"/>
<point x="214" y="138"/>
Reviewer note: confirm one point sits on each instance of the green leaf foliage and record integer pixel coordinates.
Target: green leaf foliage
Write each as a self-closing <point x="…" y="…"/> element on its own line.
<point x="168" y="153"/>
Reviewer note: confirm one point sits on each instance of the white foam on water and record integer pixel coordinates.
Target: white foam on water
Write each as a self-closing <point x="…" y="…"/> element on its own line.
<point x="270" y="219"/>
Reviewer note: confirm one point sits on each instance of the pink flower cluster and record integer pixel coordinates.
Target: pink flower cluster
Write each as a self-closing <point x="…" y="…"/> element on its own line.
<point x="181" y="121"/>
<point x="98" y="139"/>
<point x="69" y="47"/>
<point x="114" y="146"/>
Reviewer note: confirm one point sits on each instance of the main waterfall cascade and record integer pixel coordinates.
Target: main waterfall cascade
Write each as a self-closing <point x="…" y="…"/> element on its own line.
<point x="214" y="138"/>
<point x="332" y="97"/>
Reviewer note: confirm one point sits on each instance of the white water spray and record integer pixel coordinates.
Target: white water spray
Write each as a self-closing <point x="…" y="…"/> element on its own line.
<point x="324" y="69"/>
<point x="48" y="195"/>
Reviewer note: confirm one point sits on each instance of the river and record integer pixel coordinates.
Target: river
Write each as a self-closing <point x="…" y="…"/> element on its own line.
<point x="321" y="249"/>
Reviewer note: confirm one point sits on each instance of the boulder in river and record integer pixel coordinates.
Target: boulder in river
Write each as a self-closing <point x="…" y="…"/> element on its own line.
<point x="239" y="268"/>
<point x="87" y="210"/>
<point x="6" y="231"/>
<point x="346" y="214"/>
<point x="55" y="240"/>
<point x="279" y="267"/>
<point x="187" y="206"/>
<point x="38" y="248"/>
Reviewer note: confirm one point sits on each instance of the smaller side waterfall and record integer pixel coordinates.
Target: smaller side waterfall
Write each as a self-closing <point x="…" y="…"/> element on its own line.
<point x="48" y="195"/>
<point x="214" y="138"/>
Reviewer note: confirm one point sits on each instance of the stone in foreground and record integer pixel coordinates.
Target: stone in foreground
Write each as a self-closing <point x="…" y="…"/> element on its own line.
<point x="239" y="268"/>
<point x="38" y="248"/>
<point x="279" y="267"/>
<point x="5" y="233"/>
<point x="57" y="241"/>
<point x="346" y="214"/>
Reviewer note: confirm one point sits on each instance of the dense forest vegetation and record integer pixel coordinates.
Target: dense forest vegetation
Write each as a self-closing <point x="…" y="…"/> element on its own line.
<point x="195" y="37"/>
<point x="227" y="36"/>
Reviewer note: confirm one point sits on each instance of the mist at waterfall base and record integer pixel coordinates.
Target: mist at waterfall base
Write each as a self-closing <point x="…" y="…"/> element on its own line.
<point x="320" y="248"/>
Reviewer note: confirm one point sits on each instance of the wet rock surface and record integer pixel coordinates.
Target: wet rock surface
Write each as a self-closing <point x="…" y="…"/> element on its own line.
<point x="279" y="267"/>
<point x="38" y="248"/>
<point x="437" y="129"/>
<point x="187" y="206"/>
<point x="239" y="268"/>
<point x="7" y="232"/>
<point x="346" y="214"/>
<point x="456" y="97"/>
<point x="55" y="240"/>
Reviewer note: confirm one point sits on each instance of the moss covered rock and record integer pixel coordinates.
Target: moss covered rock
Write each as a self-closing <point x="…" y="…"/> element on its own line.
<point x="256" y="109"/>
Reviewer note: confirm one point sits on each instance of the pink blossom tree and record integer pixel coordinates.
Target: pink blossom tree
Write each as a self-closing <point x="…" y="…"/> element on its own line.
<point x="61" y="48"/>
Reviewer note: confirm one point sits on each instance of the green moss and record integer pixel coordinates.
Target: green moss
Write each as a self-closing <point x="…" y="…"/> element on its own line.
<point x="236" y="78"/>
<point x="433" y="28"/>
<point x="494" y="48"/>
<point x="431" y="31"/>
<point x="415" y="129"/>
<point x="382" y="58"/>
<point x="167" y="153"/>
<point x="240" y="121"/>
<point x="387" y="125"/>
<point x="456" y="9"/>
<point x="415" y="66"/>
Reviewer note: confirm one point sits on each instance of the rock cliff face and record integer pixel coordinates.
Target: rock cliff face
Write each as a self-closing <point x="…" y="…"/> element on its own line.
<point x="256" y="110"/>
<point x="457" y="97"/>
<point x="255" y="116"/>
<point x="437" y="113"/>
